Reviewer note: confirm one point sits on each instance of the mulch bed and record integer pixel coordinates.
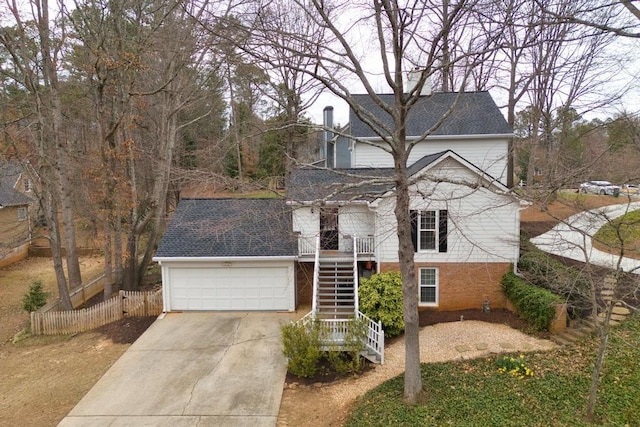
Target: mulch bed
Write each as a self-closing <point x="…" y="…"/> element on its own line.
<point x="500" y="316"/>
<point x="127" y="330"/>
<point x="536" y="228"/>
<point x="505" y="317"/>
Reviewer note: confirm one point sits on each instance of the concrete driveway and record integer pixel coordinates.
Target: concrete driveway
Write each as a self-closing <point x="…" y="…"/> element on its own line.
<point x="187" y="369"/>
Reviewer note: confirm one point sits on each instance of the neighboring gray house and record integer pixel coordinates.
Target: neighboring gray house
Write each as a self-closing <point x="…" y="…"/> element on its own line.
<point x="15" y="222"/>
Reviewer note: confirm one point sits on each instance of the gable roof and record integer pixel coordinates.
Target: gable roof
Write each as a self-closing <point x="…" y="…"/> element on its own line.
<point x="9" y="175"/>
<point x="309" y="184"/>
<point x="229" y="228"/>
<point x="313" y="184"/>
<point x="475" y="113"/>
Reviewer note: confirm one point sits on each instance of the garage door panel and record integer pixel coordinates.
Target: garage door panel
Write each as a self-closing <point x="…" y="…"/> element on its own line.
<point x="241" y="288"/>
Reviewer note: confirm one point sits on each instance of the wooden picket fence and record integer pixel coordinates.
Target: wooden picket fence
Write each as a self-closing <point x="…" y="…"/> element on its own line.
<point x="125" y="304"/>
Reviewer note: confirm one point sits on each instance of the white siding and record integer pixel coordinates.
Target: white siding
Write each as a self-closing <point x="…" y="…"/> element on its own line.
<point x="482" y="225"/>
<point x="354" y="220"/>
<point x="306" y="221"/>
<point x="489" y="155"/>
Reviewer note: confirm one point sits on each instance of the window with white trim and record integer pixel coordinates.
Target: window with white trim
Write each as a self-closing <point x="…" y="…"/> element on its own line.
<point x="22" y="214"/>
<point x="27" y="185"/>
<point x="429" y="230"/>
<point x="428" y="286"/>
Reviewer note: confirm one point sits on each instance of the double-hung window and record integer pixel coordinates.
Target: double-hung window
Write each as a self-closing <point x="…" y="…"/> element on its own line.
<point x="429" y="230"/>
<point x="22" y="214"/>
<point x="428" y="286"/>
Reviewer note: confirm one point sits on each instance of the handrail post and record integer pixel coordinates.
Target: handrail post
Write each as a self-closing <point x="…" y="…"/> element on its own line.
<point x="316" y="274"/>
<point x="355" y="274"/>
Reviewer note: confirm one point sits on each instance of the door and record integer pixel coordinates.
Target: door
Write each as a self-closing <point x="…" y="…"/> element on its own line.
<point x="329" y="229"/>
<point x="230" y="288"/>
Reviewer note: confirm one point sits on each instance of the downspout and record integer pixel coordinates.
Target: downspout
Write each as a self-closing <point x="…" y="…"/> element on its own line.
<point x="517" y="234"/>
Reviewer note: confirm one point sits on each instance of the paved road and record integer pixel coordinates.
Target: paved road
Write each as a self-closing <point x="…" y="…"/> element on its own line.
<point x="187" y="369"/>
<point x="572" y="238"/>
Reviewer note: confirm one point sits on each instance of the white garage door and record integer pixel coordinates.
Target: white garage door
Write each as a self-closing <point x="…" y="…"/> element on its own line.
<point x="222" y="288"/>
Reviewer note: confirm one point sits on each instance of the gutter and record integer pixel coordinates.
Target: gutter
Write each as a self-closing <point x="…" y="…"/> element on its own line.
<point x="160" y="260"/>
<point x="443" y="137"/>
<point x="326" y="203"/>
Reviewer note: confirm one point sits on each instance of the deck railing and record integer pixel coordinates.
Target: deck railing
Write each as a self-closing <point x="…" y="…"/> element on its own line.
<point x="307" y="245"/>
<point x="362" y="245"/>
<point x="334" y="332"/>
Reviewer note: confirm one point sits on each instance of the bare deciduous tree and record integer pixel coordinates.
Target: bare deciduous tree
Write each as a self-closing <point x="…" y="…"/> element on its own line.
<point x="35" y="52"/>
<point x="402" y="37"/>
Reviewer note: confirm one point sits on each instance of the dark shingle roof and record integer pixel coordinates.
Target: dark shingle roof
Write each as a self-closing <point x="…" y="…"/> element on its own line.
<point x="475" y="113"/>
<point x="312" y="184"/>
<point x="9" y="174"/>
<point x="229" y="228"/>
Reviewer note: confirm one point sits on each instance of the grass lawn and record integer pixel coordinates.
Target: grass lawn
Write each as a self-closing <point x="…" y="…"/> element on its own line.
<point x="474" y="393"/>
<point x="624" y="229"/>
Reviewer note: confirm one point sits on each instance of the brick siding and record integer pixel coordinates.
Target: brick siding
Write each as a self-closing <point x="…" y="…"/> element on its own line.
<point x="465" y="285"/>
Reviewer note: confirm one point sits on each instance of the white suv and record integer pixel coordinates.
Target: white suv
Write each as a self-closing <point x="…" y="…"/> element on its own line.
<point x="600" y="187"/>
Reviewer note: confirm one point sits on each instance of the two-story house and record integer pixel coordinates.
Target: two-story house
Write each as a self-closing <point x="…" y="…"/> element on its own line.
<point x="337" y="223"/>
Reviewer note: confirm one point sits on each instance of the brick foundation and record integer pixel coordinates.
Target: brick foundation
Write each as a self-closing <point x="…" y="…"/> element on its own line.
<point x="465" y="285"/>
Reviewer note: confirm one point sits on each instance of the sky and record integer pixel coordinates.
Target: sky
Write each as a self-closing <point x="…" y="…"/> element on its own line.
<point x="629" y="74"/>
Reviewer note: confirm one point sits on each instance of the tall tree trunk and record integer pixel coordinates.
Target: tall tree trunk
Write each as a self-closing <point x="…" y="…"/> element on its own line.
<point x="117" y="250"/>
<point x="51" y="211"/>
<point x="168" y="138"/>
<point x="130" y="278"/>
<point x="599" y="363"/>
<point x="413" y="376"/>
<point x="68" y="222"/>
<point x="108" y="261"/>
<point x="57" y="145"/>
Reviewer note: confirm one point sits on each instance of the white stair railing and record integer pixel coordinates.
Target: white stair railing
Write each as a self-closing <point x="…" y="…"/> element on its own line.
<point x="375" y="336"/>
<point x="316" y="277"/>
<point x="355" y="275"/>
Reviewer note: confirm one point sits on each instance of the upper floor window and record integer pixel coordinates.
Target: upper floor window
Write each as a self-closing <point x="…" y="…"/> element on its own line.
<point x="429" y="230"/>
<point x="22" y="214"/>
<point x="27" y="185"/>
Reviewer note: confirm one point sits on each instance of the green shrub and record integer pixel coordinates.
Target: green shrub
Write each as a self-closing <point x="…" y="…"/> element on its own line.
<point x="534" y="304"/>
<point x="302" y="348"/>
<point x="347" y="358"/>
<point x="381" y="300"/>
<point x="573" y="285"/>
<point x="35" y="298"/>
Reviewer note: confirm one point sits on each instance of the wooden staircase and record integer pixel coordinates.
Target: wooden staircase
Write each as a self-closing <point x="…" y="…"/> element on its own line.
<point x="336" y="298"/>
<point x="335" y="303"/>
<point x="578" y="330"/>
<point x="584" y="328"/>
